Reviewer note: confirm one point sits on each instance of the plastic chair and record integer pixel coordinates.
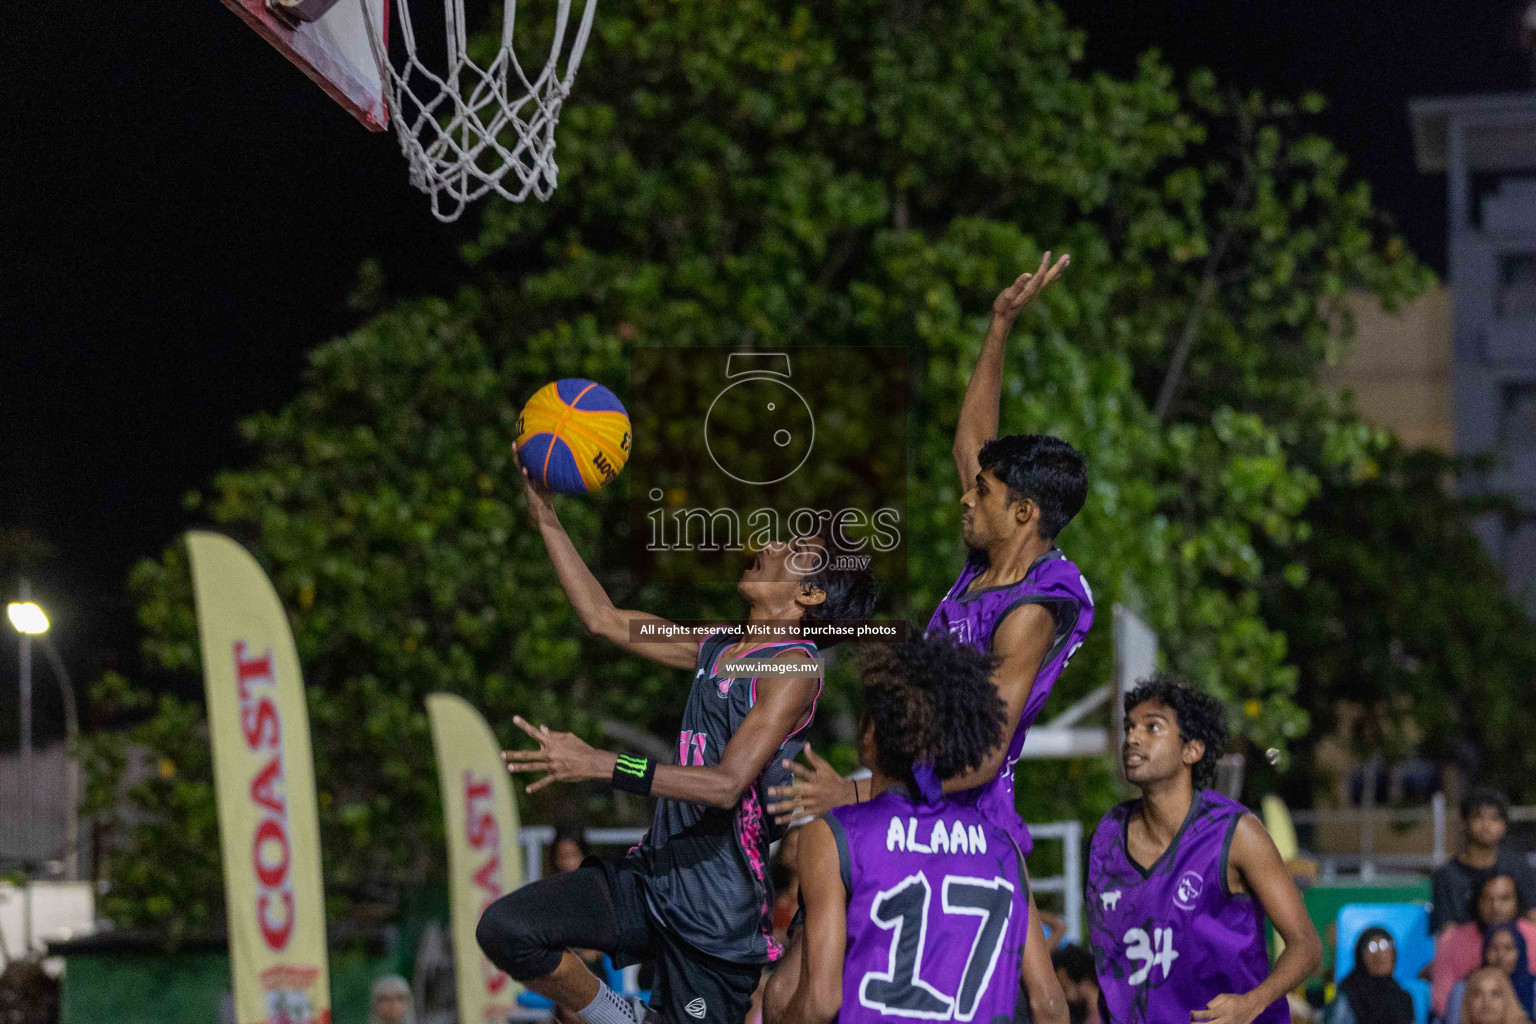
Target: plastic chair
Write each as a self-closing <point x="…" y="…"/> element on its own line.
<point x="1408" y="924"/>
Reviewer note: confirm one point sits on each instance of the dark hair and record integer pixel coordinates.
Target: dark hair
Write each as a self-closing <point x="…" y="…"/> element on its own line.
<point x="851" y="592"/>
<point x="1199" y="716"/>
<point x="1482" y="797"/>
<point x="1046" y="470"/>
<point x="575" y="833"/>
<point x="1075" y="960"/>
<point x="1482" y="886"/>
<point x="930" y="700"/>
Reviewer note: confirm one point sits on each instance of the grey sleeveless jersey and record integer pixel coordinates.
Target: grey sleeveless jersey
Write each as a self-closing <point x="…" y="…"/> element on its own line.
<point x="706" y="868"/>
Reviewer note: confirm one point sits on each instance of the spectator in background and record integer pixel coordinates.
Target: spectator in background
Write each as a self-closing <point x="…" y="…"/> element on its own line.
<point x="1485" y="820"/>
<point x="390" y="1001"/>
<point x="568" y="851"/>
<point x="1490" y="1000"/>
<point x="570" y="848"/>
<point x="1459" y="949"/>
<point x="1504" y="948"/>
<point x="1074" y="969"/>
<point x="1369" y="994"/>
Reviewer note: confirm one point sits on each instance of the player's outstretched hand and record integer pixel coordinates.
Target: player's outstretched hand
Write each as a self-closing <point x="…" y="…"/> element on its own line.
<point x="815" y="791"/>
<point x="1226" y="1009"/>
<point x="1011" y="301"/>
<point x="563" y="756"/>
<point x="539" y="505"/>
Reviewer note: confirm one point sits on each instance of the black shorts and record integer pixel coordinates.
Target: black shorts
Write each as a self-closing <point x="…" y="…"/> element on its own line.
<point x="690" y="985"/>
<point x="601" y="905"/>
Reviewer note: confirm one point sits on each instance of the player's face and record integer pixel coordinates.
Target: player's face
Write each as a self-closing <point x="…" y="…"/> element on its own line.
<point x="1380" y="956"/>
<point x="775" y="577"/>
<point x="1502" y="952"/>
<point x="1486" y="826"/>
<point x="1487" y="1000"/>
<point x="989" y="517"/>
<point x="1497" y="903"/>
<point x="1153" y="749"/>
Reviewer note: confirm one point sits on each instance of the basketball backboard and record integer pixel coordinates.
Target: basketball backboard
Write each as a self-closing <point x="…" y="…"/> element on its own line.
<point x="333" y="49"/>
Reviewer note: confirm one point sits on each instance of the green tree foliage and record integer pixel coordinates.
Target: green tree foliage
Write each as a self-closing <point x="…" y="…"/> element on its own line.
<point x="1407" y="620"/>
<point x="747" y="173"/>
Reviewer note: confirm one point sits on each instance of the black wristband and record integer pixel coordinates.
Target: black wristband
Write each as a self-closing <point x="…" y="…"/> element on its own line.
<point x="634" y="774"/>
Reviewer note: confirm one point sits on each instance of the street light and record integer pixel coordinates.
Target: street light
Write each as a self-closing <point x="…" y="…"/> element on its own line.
<point x="27" y="617"/>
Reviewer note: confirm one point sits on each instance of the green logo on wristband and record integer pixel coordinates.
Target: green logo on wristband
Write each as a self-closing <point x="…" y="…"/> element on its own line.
<point x="632" y="765"/>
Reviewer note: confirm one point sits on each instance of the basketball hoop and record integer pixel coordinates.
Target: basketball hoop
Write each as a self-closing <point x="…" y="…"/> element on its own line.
<point x="467" y="130"/>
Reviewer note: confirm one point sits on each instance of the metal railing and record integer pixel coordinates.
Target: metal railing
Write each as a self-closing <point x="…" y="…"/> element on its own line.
<point x="534" y="838"/>
<point x="1367" y="862"/>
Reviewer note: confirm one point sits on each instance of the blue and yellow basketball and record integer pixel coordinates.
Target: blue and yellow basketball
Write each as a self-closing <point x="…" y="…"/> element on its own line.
<point x="573" y="436"/>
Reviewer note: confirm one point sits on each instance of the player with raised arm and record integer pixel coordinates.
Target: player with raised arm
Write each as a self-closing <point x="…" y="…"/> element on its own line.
<point x="1017" y="598"/>
<point x="695" y="894"/>
<point x="914" y="908"/>
<point x="1182" y="879"/>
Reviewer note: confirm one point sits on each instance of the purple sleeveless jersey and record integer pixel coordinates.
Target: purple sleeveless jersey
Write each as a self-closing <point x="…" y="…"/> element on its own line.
<point x="1168" y="940"/>
<point x="938" y="909"/>
<point x="973" y="617"/>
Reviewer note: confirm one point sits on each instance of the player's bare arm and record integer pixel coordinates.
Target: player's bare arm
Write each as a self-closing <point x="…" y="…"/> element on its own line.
<point x="1254" y="866"/>
<point x="819" y="995"/>
<point x="1021" y="642"/>
<point x="1047" y="1002"/>
<point x="816" y="789"/>
<point x="592" y="603"/>
<point x="979" y="412"/>
<point x="783" y="703"/>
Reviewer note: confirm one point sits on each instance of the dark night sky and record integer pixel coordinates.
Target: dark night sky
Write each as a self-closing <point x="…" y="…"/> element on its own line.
<point x="186" y="214"/>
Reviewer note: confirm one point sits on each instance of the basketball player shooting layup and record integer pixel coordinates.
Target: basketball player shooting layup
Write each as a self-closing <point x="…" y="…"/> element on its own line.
<point x="1180" y="881"/>
<point x="914" y="908"/>
<point x="695" y="895"/>
<point x="1018" y="598"/>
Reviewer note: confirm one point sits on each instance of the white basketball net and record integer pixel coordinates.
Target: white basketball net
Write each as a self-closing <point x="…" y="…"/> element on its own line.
<point x="468" y="130"/>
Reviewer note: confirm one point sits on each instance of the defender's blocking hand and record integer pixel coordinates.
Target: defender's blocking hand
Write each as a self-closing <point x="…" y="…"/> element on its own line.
<point x="816" y="790"/>
<point x="1011" y="301"/>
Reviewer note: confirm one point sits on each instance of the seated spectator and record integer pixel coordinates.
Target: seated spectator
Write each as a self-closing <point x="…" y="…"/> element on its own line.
<point x="1484" y="816"/>
<point x="1074" y="969"/>
<point x="1369" y="994"/>
<point x="1504" y="949"/>
<point x="1459" y="949"/>
<point x="390" y="1001"/>
<point x="1490" y="1000"/>
<point x="570" y="847"/>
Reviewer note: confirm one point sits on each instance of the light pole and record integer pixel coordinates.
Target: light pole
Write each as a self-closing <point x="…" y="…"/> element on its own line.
<point x="29" y="620"/>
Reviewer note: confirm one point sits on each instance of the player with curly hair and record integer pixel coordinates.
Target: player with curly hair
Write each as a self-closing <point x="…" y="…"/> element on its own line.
<point x="1182" y="879"/>
<point x="914" y="906"/>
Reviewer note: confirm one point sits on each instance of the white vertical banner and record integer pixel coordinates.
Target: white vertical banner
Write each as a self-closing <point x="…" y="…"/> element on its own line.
<point x="263" y="771"/>
<point x="484" y="861"/>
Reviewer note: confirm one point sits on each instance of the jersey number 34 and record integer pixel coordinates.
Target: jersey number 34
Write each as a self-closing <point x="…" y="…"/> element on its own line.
<point x="902" y="909"/>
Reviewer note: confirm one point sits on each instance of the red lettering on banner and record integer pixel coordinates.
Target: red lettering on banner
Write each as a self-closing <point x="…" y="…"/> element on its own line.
<point x="268" y="832"/>
<point x="260" y="724"/>
<point x="249" y="670"/>
<point x="480" y="828"/>
<point x="271" y="858"/>
<point x="482" y="832"/>
<point x="264" y="788"/>
<point x="276" y="936"/>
